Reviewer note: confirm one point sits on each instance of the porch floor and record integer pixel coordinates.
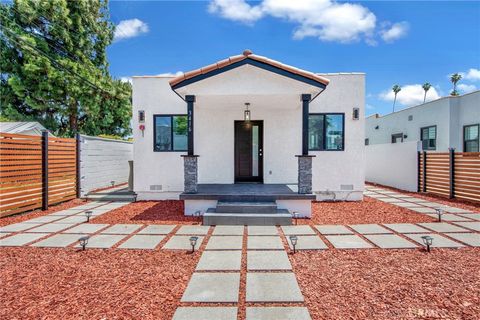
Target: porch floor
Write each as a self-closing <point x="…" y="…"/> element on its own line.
<point x="245" y="192"/>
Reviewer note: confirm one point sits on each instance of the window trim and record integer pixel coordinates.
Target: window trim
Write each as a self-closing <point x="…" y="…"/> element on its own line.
<point x="421" y="136"/>
<point x="478" y="136"/>
<point x="325" y="130"/>
<point x="171" y="115"/>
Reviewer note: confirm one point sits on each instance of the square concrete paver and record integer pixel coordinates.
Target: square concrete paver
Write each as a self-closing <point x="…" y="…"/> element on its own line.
<point x="205" y="313"/>
<point x="264" y="242"/>
<point x="438" y="240"/>
<point x="449" y="217"/>
<point x="432" y="204"/>
<point x="472" y="239"/>
<point x="297" y="230"/>
<point x="181" y="243"/>
<point x="21" y="226"/>
<point x="308" y="243"/>
<point x="51" y="227"/>
<point x="58" y="241"/>
<point x="43" y="219"/>
<point x="408" y="205"/>
<point x="473" y="225"/>
<point x="273" y="287"/>
<point x="277" y="313"/>
<point x="268" y="260"/>
<point x="423" y="209"/>
<point x="348" y="242"/>
<point x="72" y="219"/>
<point x="225" y="243"/>
<point x="417" y="200"/>
<point x="220" y="261"/>
<point x="103" y="241"/>
<point x="193" y="230"/>
<point x="228" y="231"/>
<point x="391" y="200"/>
<point x="21" y="239"/>
<point x="122" y="229"/>
<point x="390" y="241"/>
<point x="212" y="287"/>
<point x="442" y="227"/>
<point x="140" y="241"/>
<point x="405" y="227"/>
<point x="157" y="229"/>
<point x="369" y="229"/>
<point x="473" y="216"/>
<point x="333" y="229"/>
<point x="262" y="231"/>
<point x="66" y="213"/>
<point x="455" y="210"/>
<point x="86" y="228"/>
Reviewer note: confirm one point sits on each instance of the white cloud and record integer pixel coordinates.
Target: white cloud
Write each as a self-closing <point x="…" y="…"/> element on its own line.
<point x="129" y="29"/>
<point x="170" y="74"/>
<point x="369" y="106"/>
<point x="472" y="74"/>
<point x="126" y="79"/>
<point x="410" y="95"/>
<point x="395" y="31"/>
<point x="466" y="88"/>
<point x="324" y="19"/>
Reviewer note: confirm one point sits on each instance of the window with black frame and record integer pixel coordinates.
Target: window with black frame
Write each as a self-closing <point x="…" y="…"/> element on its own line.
<point x="471" y="138"/>
<point x="326" y="132"/>
<point x="170" y="133"/>
<point x="429" y="138"/>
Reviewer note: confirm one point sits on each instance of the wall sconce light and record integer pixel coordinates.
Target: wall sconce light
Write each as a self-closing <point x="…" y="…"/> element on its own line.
<point x="246" y="113"/>
<point x="377" y="127"/>
<point x="293" y="241"/>
<point x="141" y="116"/>
<point x="83" y="242"/>
<point x="295" y="215"/>
<point x="427" y="240"/>
<point x="88" y="214"/>
<point x="405" y="136"/>
<point x="193" y="242"/>
<point x="356" y="113"/>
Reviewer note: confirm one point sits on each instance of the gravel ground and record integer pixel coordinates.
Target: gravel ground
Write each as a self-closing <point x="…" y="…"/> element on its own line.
<point x="149" y="212"/>
<point x="390" y="284"/>
<point x="94" y="284"/>
<point x="38" y="213"/>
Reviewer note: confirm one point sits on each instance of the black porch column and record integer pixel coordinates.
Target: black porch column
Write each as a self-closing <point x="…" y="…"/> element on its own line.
<point x="190" y="100"/>
<point x="306" y="101"/>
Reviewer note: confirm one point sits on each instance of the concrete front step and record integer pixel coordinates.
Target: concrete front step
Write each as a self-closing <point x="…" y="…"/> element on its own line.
<point x="276" y="211"/>
<point x="249" y="219"/>
<point x="112" y="197"/>
<point x="246" y="207"/>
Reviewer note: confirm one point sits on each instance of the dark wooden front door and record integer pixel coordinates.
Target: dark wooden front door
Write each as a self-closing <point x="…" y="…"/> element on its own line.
<point x="249" y="151"/>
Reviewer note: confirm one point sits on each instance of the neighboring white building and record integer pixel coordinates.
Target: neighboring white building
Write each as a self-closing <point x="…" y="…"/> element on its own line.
<point x="448" y="122"/>
<point x="28" y="128"/>
<point x="304" y="139"/>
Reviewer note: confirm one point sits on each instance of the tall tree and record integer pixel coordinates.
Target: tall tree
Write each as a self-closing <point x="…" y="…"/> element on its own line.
<point x="454" y="78"/>
<point x="426" y="86"/>
<point x="396" y="89"/>
<point x="54" y="67"/>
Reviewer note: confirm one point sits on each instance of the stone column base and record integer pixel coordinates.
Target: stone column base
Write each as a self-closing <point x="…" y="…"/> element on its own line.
<point x="190" y="172"/>
<point x="304" y="174"/>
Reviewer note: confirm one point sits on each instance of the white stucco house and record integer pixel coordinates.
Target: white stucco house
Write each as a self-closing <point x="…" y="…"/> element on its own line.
<point x="448" y="122"/>
<point x="249" y="135"/>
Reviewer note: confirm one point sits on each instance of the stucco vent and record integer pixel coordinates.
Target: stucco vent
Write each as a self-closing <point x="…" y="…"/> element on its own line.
<point x="410" y="118"/>
<point x="346" y="187"/>
<point x="155" y="187"/>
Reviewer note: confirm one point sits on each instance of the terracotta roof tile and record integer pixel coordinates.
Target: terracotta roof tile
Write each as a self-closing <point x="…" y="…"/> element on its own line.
<point x="247" y="54"/>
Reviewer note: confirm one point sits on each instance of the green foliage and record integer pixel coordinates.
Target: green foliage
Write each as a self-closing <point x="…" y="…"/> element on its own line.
<point x="454" y="78"/>
<point x="54" y="67"/>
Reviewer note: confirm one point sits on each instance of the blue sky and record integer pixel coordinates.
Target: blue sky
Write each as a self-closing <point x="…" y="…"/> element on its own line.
<point x="406" y="43"/>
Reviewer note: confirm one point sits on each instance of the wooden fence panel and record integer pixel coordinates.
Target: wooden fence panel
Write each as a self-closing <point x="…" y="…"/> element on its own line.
<point x="20" y="173"/>
<point x="64" y="172"/>
<point x="467" y="176"/>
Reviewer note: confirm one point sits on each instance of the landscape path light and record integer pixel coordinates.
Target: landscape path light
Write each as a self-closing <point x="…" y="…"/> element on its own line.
<point x="293" y="241"/>
<point x="440" y="212"/>
<point x="427" y="241"/>
<point x="83" y="241"/>
<point x="193" y="242"/>
<point x="88" y="214"/>
<point x="295" y="215"/>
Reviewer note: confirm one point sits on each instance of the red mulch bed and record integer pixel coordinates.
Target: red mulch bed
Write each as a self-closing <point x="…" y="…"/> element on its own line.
<point x="38" y="213"/>
<point x="149" y="212"/>
<point x="390" y="284"/>
<point x="94" y="284"/>
<point x="367" y="211"/>
<point x="463" y="204"/>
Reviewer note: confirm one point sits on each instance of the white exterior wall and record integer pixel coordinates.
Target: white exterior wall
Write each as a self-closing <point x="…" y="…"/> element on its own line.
<point x="214" y="138"/>
<point x="449" y="114"/>
<point x="393" y="164"/>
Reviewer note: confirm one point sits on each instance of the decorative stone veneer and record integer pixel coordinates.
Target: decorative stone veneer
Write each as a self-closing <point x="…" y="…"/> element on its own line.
<point x="304" y="174"/>
<point x="190" y="169"/>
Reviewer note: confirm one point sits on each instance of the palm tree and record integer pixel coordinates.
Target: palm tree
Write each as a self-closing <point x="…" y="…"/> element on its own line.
<point x="396" y="89"/>
<point x="426" y="86"/>
<point x="454" y="78"/>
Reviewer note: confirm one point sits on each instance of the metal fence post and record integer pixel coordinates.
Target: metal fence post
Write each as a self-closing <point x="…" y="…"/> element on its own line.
<point x="424" y="189"/>
<point x="78" y="177"/>
<point x="452" y="172"/>
<point x="45" y="170"/>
